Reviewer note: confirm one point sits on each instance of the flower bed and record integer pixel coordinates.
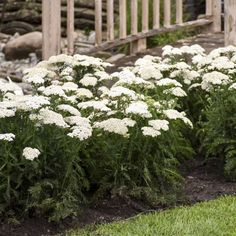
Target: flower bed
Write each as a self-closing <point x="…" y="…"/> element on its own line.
<point x="83" y="130"/>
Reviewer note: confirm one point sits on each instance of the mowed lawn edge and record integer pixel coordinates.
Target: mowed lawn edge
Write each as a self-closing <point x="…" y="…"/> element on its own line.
<point x="215" y="217"/>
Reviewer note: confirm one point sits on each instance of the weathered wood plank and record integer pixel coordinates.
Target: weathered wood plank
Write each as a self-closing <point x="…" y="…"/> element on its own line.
<point x="134" y="25"/>
<point x="98" y="21"/>
<point x="110" y="20"/>
<point x="123" y="17"/>
<point x="142" y="43"/>
<point x="216" y="11"/>
<point x="156" y="14"/>
<point x="209" y="7"/>
<point x="179" y="11"/>
<point x="70" y="26"/>
<point x="230" y="22"/>
<point x="167" y="13"/>
<point x="150" y="33"/>
<point x="51" y="22"/>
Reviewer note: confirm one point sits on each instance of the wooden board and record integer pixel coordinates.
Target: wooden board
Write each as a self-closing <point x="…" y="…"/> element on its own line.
<point x="51" y="19"/>
<point x="230" y="22"/>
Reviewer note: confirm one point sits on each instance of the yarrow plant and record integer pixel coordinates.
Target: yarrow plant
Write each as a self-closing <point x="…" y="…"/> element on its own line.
<point x="124" y="133"/>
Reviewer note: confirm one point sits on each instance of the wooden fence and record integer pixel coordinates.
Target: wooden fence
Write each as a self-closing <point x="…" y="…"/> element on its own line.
<point x="136" y="38"/>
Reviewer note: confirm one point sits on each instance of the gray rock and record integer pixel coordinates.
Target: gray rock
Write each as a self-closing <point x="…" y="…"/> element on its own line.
<point x="22" y="46"/>
<point x="115" y="58"/>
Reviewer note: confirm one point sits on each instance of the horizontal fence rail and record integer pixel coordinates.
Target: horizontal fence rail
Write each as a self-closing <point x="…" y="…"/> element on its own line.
<point x="133" y="26"/>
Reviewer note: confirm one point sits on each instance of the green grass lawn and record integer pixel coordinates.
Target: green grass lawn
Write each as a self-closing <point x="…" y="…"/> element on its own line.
<point x="213" y="218"/>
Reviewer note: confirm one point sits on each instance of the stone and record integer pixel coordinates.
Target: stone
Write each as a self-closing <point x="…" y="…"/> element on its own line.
<point x="115" y="58"/>
<point x="22" y="46"/>
<point x="102" y="54"/>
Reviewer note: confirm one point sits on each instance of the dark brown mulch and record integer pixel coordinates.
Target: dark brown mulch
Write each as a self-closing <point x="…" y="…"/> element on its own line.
<point x="203" y="182"/>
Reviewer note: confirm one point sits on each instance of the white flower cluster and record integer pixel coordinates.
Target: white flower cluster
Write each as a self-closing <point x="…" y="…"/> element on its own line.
<point x="214" y="78"/>
<point x="115" y="125"/>
<point x="30" y="153"/>
<point x="139" y="108"/>
<point x="49" y="117"/>
<point x="9" y="137"/>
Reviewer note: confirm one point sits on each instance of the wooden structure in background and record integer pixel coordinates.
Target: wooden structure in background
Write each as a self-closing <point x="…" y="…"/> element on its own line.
<point x="212" y="19"/>
<point x="230" y="22"/>
<point x="51" y="28"/>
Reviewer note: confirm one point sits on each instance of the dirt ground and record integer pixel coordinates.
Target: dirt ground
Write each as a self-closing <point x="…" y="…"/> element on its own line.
<point x="202" y="182"/>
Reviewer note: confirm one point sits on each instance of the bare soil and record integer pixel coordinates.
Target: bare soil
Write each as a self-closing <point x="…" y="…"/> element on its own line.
<point x="203" y="182"/>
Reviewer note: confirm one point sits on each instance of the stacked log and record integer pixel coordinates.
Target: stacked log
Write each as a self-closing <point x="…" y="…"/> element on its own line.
<point x="26" y="15"/>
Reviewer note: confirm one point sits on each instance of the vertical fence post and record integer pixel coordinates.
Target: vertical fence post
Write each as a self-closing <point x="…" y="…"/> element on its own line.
<point x="110" y="20"/>
<point x="167" y="13"/>
<point x="51" y="25"/>
<point x="156" y="14"/>
<point x="134" y="25"/>
<point x="230" y="22"/>
<point x="123" y="17"/>
<point x="179" y="11"/>
<point x="142" y="43"/>
<point x="70" y="26"/>
<point x="216" y="14"/>
<point x="209" y="5"/>
<point x="98" y="21"/>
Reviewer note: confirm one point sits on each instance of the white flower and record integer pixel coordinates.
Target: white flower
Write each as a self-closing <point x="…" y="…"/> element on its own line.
<point x="159" y="124"/>
<point x="178" y="92"/>
<point x="68" y="108"/>
<point x="233" y="59"/>
<point x="40" y="71"/>
<point x="124" y="75"/>
<point x="30" y="153"/>
<point x="150" y="131"/>
<point x="214" y="78"/>
<point x="28" y="103"/>
<point x="88" y="61"/>
<point x="196" y="85"/>
<point x="139" y="108"/>
<point x="49" y="117"/>
<point x="81" y="132"/>
<point x="96" y="105"/>
<point x="148" y="72"/>
<point x="168" y="82"/>
<point x="35" y="80"/>
<point x="129" y="122"/>
<point x="4" y="112"/>
<point x="77" y="120"/>
<point x="233" y="86"/>
<point x="120" y="91"/>
<point x="66" y="72"/>
<point x="200" y="60"/>
<point x="69" y="86"/>
<point x="174" y="114"/>
<point x="54" y="90"/>
<point x="89" y="80"/>
<point x="102" y="75"/>
<point x="182" y="66"/>
<point x="187" y="75"/>
<point x="10" y="87"/>
<point x="84" y="93"/>
<point x="7" y="137"/>
<point x="113" y="125"/>
<point x="221" y="63"/>
<point x="104" y="90"/>
<point x="62" y="58"/>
